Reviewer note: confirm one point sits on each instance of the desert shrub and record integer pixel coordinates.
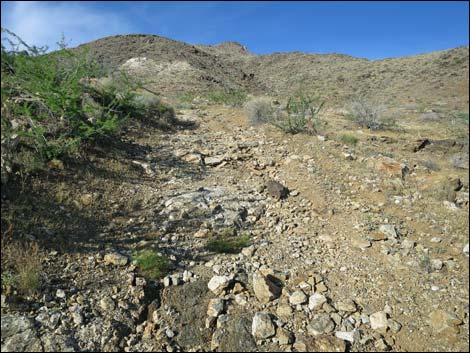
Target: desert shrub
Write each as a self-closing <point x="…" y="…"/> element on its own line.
<point x="349" y="139"/>
<point x="299" y="115"/>
<point x="259" y="111"/>
<point x="431" y="165"/>
<point x="370" y="114"/>
<point x="151" y="264"/>
<point x="459" y="161"/>
<point x="52" y="102"/>
<point x="461" y="116"/>
<point x="230" y="97"/>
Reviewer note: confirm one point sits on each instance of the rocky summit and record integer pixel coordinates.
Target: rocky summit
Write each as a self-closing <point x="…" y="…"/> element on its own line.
<point x="222" y="235"/>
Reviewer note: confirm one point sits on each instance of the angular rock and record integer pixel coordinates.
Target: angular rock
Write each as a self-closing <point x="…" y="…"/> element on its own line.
<point x="218" y="284"/>
<point x="349" y="336"/>
<point x="284" y="311"/>
<point x="395" y="326"/>
<point x="266" y="288"/>
<point x="348" y="305"/>
<point x="213" y="161"/>
<point x="262" y="326"/>
<point x="360" y="243"/>
<point x="327" y="343"/>
<point x="19" y="335"/>
<point x="320" y="324"/>
<point x="316" y="301"/>
<point x="235" y="336"/>
<point x="379" y="322"/>
<point x="107" y="303"/>
<point x="277" y="190"/>
<point x="298" y="297"/>
<point x="115" y="258"/>
<point x="285" y="337"/>
<point x="215" y="307"/>
<point x="388" y="230"/>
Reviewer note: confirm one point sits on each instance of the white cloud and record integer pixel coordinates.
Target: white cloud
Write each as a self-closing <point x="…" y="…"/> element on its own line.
<point x="42" y="23"/>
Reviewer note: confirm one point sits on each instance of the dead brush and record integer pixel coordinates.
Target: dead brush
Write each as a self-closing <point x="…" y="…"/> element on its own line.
<point x="21" y="264"/>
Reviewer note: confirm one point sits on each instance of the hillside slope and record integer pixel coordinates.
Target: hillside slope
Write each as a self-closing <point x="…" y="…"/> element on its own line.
<point x="441" y="76"/>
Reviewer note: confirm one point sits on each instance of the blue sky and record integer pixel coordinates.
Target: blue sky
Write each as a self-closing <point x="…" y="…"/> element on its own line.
<point x="370" y="30"/>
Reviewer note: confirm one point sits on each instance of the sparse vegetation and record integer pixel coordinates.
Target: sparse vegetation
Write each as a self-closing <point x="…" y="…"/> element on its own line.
<point x="231" y="97"/>
<point x="259" y="111"/>
<point x="151" y="264"/>
<point x="21" y="266"/>
<point x="228" y="244"/>
<point x="349" y="139"/>
<point x="432" y="165"/>
<point x="300" y="115"/>
<point x="52" y="103"/>
<point x="370" y="114"/>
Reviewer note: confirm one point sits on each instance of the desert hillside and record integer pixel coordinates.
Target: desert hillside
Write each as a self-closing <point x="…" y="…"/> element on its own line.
<point x="407" y="80"/>
<point x="204" y="198"/>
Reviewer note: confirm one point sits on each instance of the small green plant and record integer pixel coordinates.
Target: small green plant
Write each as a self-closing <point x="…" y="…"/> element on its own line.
<point x="231" y="97"/>
<point x="151" y="264"/>
<point x="350" y="140"/>
<point x="300" y="114"/>
<point x="228" y="244"/>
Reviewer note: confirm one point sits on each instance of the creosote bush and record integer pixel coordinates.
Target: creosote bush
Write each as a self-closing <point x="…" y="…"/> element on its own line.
<point x="259" y="111"/>
<point x="299" y="114"/>
<point x="370" y="114"/>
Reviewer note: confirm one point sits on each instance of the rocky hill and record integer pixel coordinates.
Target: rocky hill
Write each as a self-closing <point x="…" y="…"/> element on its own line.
<point x="218" y="234"/>
<point x="181" y="66"/>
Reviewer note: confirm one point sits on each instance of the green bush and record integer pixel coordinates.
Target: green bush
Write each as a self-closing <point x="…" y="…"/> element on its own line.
<point x="53" y="102"/>
<point x="151" y="264"/>
<point x="301" y="114"/>
<point x="350" y="140"/>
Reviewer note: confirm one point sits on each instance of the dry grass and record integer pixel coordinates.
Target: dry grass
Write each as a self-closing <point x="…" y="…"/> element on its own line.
<point x="21" y="265"/>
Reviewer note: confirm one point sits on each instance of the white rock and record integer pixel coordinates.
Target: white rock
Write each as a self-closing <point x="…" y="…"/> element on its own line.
<point x="347" y="336"/>
<point x="218" y="284"/>
<point x="298" y="297"/>
<point x="262" y="326"/>
<point x="378" y="321"/>
<point x="465" y="249"/>
<point x="436" y="264"/>
<point x="388" y="229"/>
<point x="316" y="300"/>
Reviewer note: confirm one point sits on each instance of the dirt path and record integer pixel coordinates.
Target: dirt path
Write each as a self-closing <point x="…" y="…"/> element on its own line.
<point x="341" y="236"/>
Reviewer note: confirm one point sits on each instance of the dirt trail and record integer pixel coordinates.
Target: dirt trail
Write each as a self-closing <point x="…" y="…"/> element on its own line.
<point x="341" y="235"/>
